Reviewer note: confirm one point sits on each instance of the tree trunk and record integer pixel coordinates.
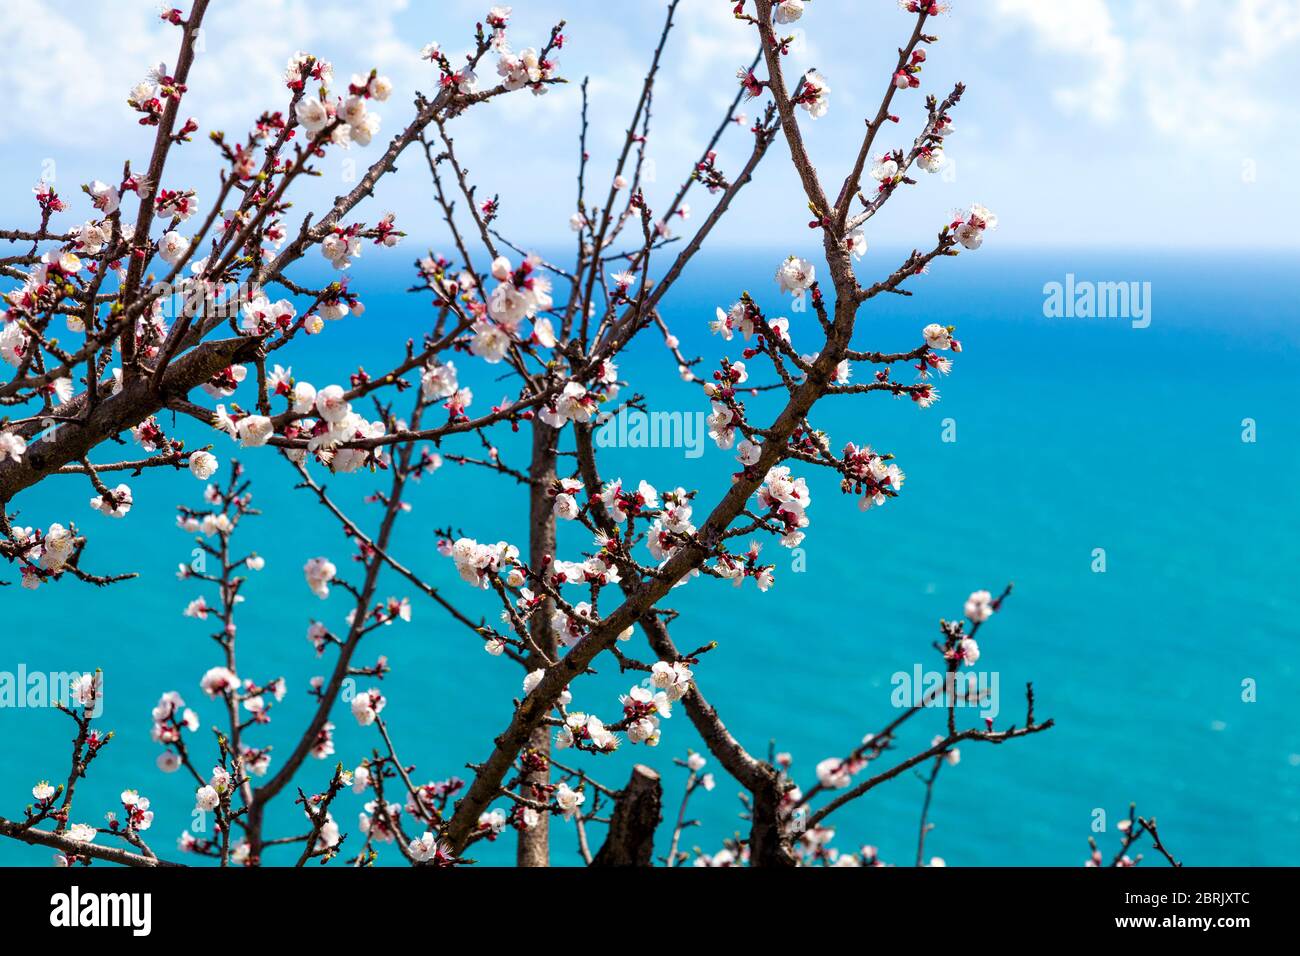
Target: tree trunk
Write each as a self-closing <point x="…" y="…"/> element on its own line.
<point x="534" y="843"/>
<point x="631" y="838"/>
<point x="769" y="841"/>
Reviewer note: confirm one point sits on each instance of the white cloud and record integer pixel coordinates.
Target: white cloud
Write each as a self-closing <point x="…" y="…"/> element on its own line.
<point x="1197" y="70"/>
<point x="1161" y="89"/>
<point x="1204" y="76"/>
<point x="1083" y="29"/>
<point x="72" y="89"/>
<point x="72" y="73"/>
<point x="1263" y="28"/>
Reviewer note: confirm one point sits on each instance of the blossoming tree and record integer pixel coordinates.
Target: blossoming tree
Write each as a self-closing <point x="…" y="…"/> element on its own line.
<point x="173" y="300"/>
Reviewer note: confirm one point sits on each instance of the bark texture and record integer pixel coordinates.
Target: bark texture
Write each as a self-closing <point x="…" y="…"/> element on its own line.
<point x="534" y="843"/>
<point x="631" y="838"/>
<point x="71" y="441"/>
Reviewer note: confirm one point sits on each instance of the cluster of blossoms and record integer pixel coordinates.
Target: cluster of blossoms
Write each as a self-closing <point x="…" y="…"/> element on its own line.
<point x="323" y="745"/>
<point x="738" y="567"/>
<point x="835" y="773"/>
<point x="257" y="761"/>
<point x="208" y="524"/>
<point x="138" y="815"/>
<point x="564" y="494"/>
<point x="931" y="7"/>
<point x="81" y="833"/>
<point x="813" y="849"/>
<point x="742" y="318"/>
<point x="305" y="66"/>
<point x="673" y="679"/>
<point x="726" y="857"/>
<point x="439" y="380"/>
<point x="50" y="280"/>
<point x="319" y="573"/>
<point x="464" y="80"/>
<point x="429" y="849"/>
<point x="695" y="763"/>
<point x="979" y="607"/>
<point x="671" y="526"/>
<point x="341" y="246"/>
<point x="795" y="275"/>
<point x="624" y="503"/>
<point x="261" y="315"/>
<point x="940" y="337"/>
<point x="251" y="431"/>
<point x="328" y="837"/>
<point x="427" y="800"/>
<point x="147" y="97"/>
<point x="871" y="475"/>
<point x="177" y="204"/>
<point x="114" y="502"/>
<point x="255" y="698"/>
<point x="907" y="76"/>
<point x="573" y="404"/>
<point x="813" y="94"/>
<point x="710" y="176"/>
<point x="525" y="68"/>
<point x="520" y="294"/>
<point x="960" y="646"/>
<point x="475" y="562"/>
<point x="642" y="709"/>
<point x="366" y="706"/>
<point x="931" y="158"/>
<point x="219" y="681"/>
<point x="951" y="756"/>
<point x="44" y="553"/>
<point x="379" y="821"/>
<point x="348" y="118"/>
<point x="492" y="823"/>
<point x="570" y="626"/>
<point x="208" y="797"/>
<point x="788" y="11"/>
<point x="887" y="170"/>
<point x="722" y="425"/>
<point x="787" y="499"/>
<point x="170" y="719"/>
<point x="224" y="383"/>
<point x="337" y="423"/>
<point x="587" y="731"/>
<point x="12" y="446"/>
<point x="568" y="799"/>
<point x="970" y="225"/>
<point x="43" y="793"/>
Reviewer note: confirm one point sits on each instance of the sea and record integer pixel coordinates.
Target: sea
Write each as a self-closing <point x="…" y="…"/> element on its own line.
<point x="1134" y="475"/>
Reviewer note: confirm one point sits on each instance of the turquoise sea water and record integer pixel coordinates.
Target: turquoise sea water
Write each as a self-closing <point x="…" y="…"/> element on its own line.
<point x="1072" y="435"/>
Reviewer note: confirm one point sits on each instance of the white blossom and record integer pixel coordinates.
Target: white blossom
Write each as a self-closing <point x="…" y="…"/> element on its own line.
<point x="795" y="275"/>
<point x="203" y="465"/>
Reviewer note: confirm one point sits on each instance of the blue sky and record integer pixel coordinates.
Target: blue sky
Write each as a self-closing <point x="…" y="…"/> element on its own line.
<point x="1157" y="124"/>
